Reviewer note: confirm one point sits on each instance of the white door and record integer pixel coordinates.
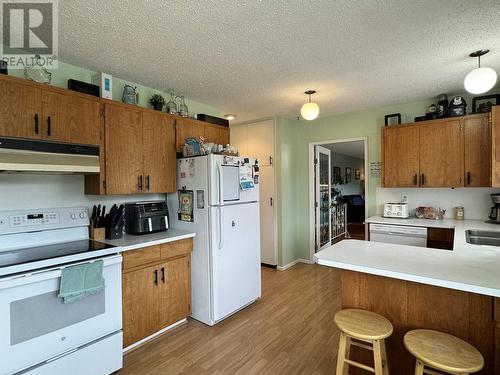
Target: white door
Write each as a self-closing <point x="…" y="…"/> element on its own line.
<point x="322" y="196"/>
<point x="257" y="140"/>
<point x="239" y="138"/>
<point x="261" y="141"/>
<point x="235" y="253"/>
<point x="267" y="235"/>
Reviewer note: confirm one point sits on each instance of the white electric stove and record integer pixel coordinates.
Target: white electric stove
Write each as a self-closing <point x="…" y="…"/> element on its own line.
<point x="39" y="334"/>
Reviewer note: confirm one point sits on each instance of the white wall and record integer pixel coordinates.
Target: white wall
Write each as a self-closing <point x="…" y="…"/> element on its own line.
<point x="343" y="161"/>
<point x="21" y="191"/>
<point x="476" y="201"/>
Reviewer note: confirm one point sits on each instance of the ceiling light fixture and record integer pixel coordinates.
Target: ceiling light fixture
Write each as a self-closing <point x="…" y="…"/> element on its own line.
<point x="230" y="117"/>
<point x="309" y="110"/>
<point x="480" y="80"/>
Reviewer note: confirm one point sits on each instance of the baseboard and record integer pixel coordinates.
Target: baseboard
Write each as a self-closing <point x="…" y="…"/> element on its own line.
<point x="154" y="335"/>
<point x="291" y="264"/>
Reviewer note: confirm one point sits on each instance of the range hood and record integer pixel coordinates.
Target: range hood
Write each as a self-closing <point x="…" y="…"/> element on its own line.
<point x="27" y="155"/>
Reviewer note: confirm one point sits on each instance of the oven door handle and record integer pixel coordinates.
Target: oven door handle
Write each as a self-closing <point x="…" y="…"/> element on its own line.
<point x="29" y="277"/>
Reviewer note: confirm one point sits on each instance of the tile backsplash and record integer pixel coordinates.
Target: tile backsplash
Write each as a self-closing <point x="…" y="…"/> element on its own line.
<point x="476" y="201"/>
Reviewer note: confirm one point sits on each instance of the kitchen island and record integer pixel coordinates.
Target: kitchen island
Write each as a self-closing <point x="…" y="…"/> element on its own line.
<point x="452" y="291"/>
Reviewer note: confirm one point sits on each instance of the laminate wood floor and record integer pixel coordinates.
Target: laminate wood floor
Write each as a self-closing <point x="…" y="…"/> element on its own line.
<point x="290" y="330"/>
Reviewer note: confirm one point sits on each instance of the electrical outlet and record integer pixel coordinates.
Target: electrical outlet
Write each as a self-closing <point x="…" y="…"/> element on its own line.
<point x="404" y="198"/>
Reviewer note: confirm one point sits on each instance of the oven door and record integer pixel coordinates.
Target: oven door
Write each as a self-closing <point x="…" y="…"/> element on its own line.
<point x="35" y="325"/>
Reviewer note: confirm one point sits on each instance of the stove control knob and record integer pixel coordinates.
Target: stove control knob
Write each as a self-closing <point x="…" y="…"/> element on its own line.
<point x="73" y="216"/>
<point x="82" y="215"/>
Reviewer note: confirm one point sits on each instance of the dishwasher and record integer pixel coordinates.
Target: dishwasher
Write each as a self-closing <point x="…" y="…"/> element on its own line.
<point x="399" y="234"/>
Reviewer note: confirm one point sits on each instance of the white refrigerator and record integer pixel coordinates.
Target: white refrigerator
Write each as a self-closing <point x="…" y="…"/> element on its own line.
<point x="218" y="199"/>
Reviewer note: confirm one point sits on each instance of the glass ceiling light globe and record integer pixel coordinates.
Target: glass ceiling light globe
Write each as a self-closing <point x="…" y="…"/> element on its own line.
<point x="480" y="80"/>
<point x="309" y="111"/>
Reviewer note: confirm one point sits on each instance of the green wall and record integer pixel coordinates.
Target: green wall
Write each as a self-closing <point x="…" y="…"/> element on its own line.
<point x="65" y="71"/>
<point x="293" y="138"/>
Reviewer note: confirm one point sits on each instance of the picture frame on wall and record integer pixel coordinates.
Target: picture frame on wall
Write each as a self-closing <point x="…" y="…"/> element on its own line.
<point x="347" y="175"/>
<point x="357" y="174"/>
<point x="483" y="104"/>
<point x="392" y="119"/>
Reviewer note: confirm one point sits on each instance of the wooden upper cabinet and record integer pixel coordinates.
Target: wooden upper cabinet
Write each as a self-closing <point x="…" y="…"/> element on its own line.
<point x="224" y="136"/>
<point x="186" y="128"/>
<point x="21" y="109"/>
<point x="441" y="154"/>
<point x="212" y="133"/>
<point x="140" y="290"/>
<point x="217" y="134"/>
<point x="495" y="143"/>
<point x="124" y="159"/>
<point x="175" y="289"/>
<point x="69" y="117"/>
<point x="477" y="151"/>
<point x="400" y="148"/>
<point x="158" y="139"/>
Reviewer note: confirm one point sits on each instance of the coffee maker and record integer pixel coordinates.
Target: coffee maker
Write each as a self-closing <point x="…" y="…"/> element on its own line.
<point x="495" y="210"/>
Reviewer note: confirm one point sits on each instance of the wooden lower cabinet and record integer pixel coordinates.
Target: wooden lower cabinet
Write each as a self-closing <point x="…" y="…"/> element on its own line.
<point x="409" y="305"/>
<point x="175" y="290"/>
<point x="140" y="304"/>
<point x="156" y="289"/>
<point x="440" y="238"/>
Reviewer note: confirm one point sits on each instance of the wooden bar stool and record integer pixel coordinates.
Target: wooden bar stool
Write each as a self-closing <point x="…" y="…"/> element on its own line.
<point x="367" y="327"/>
<point x="441" y="351"/>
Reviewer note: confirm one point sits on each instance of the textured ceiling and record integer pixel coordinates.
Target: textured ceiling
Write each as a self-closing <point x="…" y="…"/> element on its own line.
<point x="255" y="58"/>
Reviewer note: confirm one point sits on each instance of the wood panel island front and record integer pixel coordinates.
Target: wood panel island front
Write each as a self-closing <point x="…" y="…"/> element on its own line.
<point x="456" y="292"/>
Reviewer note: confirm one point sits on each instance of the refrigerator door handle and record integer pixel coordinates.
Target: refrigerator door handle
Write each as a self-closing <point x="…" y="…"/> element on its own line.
<point x="221" y="228"/>
<point x="221" y="184"/>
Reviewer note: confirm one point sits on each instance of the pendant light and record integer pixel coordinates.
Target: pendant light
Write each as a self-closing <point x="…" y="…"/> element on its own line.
<point x="309" y="110"/>
<point x="480" y="80"/>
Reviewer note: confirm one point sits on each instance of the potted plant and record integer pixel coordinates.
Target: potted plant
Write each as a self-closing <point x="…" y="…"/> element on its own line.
<point x="157" y="101"/>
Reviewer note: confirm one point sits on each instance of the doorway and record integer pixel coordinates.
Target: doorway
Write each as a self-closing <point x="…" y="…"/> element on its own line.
<point x="337" y="191"/>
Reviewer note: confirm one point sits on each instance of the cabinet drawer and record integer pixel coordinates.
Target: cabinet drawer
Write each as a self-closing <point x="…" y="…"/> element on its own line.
<point x="140" y="257"/>
<point x="176" y="248"/>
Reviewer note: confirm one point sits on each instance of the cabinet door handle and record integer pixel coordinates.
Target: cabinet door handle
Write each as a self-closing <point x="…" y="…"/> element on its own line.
<point x="139" y="182"/>
<point x="468" y="178"/>
<point x="147" y="182"/>
<point x="163" y="275"/>
<point x="155" y="277"/>
<point x="422" y="183"/>
<point x="49" y="126"/>
<point x="36" y="124"/>
<point x="415" y="179"/>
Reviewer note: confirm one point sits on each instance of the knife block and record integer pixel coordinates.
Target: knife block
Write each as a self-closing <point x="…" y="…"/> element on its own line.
<point x="114" y="232"/>
<point x="97" y="233"/>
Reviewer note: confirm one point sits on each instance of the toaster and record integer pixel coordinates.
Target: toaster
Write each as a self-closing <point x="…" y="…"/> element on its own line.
<point x="146" y="217"/>
<point x="396" y="210"/>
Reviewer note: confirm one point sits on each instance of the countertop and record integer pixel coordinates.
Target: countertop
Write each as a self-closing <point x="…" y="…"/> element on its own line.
<point x="445" y="223"/>
<point x="468" y="267"/>
<point x="460" y="226"/>
<point x="132" y="242"/>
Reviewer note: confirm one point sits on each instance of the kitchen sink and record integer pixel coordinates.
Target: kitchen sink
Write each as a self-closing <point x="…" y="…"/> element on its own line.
<point x="482" y="237"/>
